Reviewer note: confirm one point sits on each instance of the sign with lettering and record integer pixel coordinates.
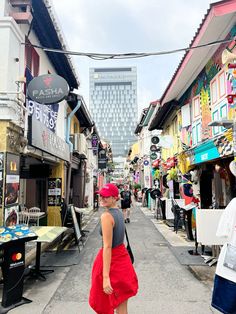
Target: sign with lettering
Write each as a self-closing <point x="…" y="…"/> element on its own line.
<point x="102" y="159"/>
<point x="41" y="137"/>
<point x="155" y="140"/>
<point x="47" y="114"/>
<point x="54" y="191"/>
<point x="48" y="89"/>
<point x="205" y="152"/>
<point x="146" y="162"/>
<point x="153" y="156"/>
<point x="154" y="148"/>
<point x="94" y="142"/>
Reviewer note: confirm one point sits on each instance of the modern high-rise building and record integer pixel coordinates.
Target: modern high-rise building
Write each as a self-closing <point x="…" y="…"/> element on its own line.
<point x="113" y="104"/>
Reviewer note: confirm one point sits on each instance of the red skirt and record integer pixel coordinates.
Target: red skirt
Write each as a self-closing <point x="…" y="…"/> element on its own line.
<point x="123" y="279"/>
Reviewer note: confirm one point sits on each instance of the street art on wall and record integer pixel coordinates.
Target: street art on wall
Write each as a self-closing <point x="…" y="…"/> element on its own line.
<point x="202" y="87"/>
<point x="224" y="146"/>
<point x="206" y="113"/>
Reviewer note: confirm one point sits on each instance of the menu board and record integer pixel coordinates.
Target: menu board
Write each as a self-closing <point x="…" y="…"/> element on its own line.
<point x="54" y="191"/>
<point x="12" y="187"/>
<point x="15" y="232"/>
<point x="76" y="224"/>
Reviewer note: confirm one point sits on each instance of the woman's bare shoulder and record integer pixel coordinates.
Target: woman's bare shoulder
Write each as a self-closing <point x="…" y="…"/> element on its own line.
<point x="107" y="219"/>
<point x="106" y="215"/>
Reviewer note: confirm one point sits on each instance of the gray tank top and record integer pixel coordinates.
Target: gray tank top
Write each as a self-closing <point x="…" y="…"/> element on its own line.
<point x="119" y="227"/>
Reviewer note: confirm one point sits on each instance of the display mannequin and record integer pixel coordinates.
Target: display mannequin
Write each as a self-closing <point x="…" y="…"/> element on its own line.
<point x="224" y="292"/>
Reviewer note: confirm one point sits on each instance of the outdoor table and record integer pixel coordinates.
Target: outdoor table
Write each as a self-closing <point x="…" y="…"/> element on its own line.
<point x="12" y="244"/>
<point x="45" y="234"/>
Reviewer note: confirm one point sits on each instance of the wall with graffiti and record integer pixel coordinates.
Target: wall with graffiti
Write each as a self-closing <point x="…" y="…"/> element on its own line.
<point x="204" y="87"/>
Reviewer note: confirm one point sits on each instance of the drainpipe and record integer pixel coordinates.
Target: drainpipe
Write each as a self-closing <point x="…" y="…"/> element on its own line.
<point x="71" y="148"/>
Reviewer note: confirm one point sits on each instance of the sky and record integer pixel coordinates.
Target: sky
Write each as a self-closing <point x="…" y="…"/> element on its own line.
<point x="123" y="26"/>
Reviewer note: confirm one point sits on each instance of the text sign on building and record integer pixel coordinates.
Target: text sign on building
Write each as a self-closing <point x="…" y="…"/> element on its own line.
<point x="94" y="142"/>
<point x="48" y="89"/>
<point x="102" y="159"/>
<point x="155" y="140"/>
<point x="41" y="137"/>
<point x="153" y="156"/>
<point x="153" y="148"/>
<point x="47" y="114"/>
<point x="54" y="191"/>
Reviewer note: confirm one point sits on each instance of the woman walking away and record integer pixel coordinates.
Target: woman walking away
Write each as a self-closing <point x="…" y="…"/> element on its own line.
<point x="114" y="279"/>
<point x="126" y="202"/>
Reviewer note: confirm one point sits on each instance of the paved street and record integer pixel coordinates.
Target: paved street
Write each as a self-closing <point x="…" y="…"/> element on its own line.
<point x="165" y="285"/>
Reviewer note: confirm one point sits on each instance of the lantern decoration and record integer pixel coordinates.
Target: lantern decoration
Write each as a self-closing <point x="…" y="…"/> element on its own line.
<point x="230" y="98"/>
<point x="155" y="164"/>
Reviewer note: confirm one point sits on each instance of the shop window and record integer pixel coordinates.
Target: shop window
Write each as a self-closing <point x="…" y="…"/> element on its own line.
<point x="220" y="112"/>
<point x="196" y="107"/>
<point x="221" y="82"/>
<point x="213" y="92"/>
<point x="175" y="126"/>
<point x="218" y="88"/>
<point x="185" y="114"/>
<point x="75" y="127"/>
<point x="215" y="117"/>
<point x="31" y="59"/>
<point x="196" y="132"/>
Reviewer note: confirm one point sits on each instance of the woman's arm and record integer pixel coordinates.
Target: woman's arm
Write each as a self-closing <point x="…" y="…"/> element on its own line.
<point x="107" y="223"/>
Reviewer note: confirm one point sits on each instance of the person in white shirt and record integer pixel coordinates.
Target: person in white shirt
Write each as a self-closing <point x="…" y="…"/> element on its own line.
<point x="224" y="292"/>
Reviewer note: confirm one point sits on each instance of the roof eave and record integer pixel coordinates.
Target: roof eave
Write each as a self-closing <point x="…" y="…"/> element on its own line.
<point x="48" y="37"/>
<point x="162" y="115"/>
<point x="220" y="15"/>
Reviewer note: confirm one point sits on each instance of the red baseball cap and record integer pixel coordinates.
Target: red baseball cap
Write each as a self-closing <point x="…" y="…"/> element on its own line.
<point x="109" y="189"/>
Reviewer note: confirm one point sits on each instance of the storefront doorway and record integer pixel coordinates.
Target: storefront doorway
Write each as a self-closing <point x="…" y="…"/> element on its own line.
<point x="206" y="188"/>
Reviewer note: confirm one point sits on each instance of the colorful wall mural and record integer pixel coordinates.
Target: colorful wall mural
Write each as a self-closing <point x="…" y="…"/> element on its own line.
<point x="202" y="87"/>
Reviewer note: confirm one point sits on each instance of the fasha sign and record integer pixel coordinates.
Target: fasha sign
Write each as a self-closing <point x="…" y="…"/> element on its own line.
<point x="48" y="89"/>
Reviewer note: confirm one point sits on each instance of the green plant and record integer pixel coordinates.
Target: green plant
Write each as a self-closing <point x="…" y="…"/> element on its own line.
<point x="137" y="186"/>
<point x="157" y="174"/>
<point x="172" y="174"/>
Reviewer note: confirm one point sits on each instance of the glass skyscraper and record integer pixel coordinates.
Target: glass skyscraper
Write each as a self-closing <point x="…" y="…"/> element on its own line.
<point x="113" y="104"/>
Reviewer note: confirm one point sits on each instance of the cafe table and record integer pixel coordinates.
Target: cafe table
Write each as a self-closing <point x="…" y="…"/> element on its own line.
<point x="46" y="234"/>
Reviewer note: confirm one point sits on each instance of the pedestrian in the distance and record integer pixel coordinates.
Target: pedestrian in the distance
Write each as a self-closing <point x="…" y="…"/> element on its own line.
<point x="126" y="201"/>
<point x="114" y="279"/>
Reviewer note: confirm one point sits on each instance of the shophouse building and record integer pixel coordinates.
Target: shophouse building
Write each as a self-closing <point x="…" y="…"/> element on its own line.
<point x="199" y="97"/>
<point x="39" y="163"/>
<point x="147" y="150"/>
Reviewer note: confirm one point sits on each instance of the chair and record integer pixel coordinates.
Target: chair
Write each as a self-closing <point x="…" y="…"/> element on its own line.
<point x="32" y="217"/>
<point x="23" y="215"/>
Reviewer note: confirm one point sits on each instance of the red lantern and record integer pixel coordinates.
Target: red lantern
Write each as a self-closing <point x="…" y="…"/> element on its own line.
<point x="230" y="98"/>
<point x="155" y="164"/>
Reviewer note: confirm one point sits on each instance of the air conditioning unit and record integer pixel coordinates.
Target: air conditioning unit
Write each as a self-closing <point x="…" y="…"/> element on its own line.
<point x="79" y="143"/>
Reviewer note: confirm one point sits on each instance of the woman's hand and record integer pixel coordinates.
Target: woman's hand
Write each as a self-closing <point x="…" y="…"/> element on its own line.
<point x="107" y="288"/>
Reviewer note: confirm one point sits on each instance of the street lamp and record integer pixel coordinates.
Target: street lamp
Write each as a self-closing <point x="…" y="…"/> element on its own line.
<point x="227" y="124"/>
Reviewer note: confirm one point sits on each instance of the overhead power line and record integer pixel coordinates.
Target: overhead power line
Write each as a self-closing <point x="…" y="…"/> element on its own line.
<point x="130" y="55"/>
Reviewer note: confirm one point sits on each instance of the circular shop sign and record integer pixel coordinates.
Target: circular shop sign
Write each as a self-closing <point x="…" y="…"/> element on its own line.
<point x="146" y="162"/>
<point x="153" y="148"/>
<point x="155" y="140"/>
<point x="153" y="156"/>
<point x="48" y="89"/>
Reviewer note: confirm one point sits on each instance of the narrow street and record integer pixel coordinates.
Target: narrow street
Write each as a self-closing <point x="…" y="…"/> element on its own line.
<point x="165" y="286"/>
